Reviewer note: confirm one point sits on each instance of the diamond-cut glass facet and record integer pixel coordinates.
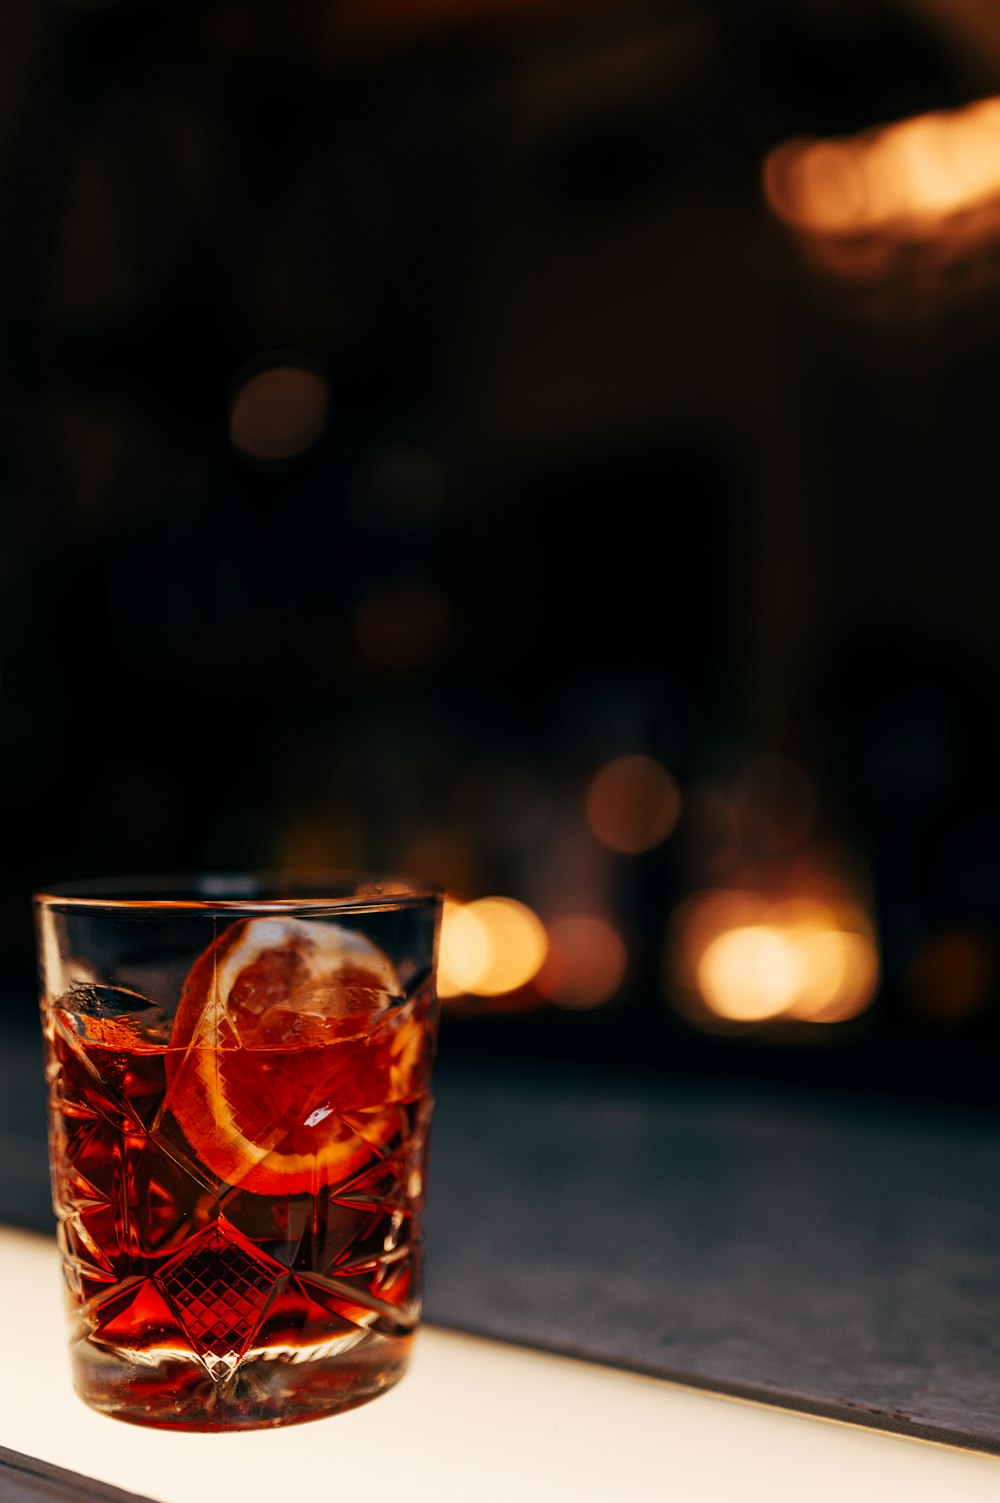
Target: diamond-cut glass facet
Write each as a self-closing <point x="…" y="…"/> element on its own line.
<point x="220" y="1287"/>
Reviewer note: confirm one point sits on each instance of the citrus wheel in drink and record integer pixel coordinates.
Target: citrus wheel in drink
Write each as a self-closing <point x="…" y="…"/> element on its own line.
<point x="288" y="1055"/>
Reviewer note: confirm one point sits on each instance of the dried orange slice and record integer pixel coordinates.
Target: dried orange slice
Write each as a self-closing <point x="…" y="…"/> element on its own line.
<point x="287" y="1062"/>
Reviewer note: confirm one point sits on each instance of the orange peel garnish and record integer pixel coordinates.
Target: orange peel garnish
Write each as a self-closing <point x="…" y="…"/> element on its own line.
<point x="287" y="1060"/>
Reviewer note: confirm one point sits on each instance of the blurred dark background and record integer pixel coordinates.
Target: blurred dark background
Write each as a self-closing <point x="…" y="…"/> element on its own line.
<point x="412" y="408"/>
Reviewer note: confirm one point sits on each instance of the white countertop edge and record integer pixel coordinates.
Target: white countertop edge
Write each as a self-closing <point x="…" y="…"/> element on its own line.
<point x="475" y="1421"/>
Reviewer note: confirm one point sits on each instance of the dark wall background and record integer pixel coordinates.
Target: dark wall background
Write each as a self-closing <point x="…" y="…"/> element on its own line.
<point x="592" y="467"/>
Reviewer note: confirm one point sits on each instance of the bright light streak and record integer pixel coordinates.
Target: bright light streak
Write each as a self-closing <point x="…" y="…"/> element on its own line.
<point x="489" y="947"/>
<point x="586" y="963"/>
<point x="632" y="804"/>
<point x="920" y="172"/>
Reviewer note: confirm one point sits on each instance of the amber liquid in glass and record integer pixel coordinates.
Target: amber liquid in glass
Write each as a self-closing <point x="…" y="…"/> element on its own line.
<point x="290" y="1290"/>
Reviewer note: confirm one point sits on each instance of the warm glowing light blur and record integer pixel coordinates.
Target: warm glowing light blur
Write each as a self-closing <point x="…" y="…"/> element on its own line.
<point x="750" y="973"/>
<point x="489" y="947"/>
<point x="856" y="972"/>
<point x="279" y="413"/>
<point x="586" y="961"/>
<point x="463" y="952"/>
<point x="701" y="919"/>
<point x="752" y="961"/>
<point x="918" y="171"/>
<point x="632" y="804"/>
<point x="518" y="945"/>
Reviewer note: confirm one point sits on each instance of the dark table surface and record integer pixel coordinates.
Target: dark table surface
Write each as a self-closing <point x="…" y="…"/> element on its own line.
<point x="838" y="1256"/>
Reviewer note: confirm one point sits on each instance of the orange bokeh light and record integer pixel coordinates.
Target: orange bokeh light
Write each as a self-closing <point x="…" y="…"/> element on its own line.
<point x="279" y="412"/>
<point x="632" y="804"/>
<point x="754" y="961"/>
<point x="918" y="171"/>
<point x="489" y="947"/>
<point x="927" y="187"/>
<point x="463" y="950"/>
<point x="750" y="973"/>
<point x="586" y="962"/>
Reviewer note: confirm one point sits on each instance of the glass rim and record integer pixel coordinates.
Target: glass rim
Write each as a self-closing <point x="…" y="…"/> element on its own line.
<point x="238" y="893"/>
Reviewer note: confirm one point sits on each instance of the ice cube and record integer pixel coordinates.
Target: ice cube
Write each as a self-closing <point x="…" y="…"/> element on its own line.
<point x="104" y="1001"/>
<point x="318" y="1015"/>
<point x="117" y="1004"/>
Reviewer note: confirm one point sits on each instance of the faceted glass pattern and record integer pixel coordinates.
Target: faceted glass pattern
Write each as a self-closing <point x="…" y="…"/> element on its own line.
<point x="206" y="1302"/>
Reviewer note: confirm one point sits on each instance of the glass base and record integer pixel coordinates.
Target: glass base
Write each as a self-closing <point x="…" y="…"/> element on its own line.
<point x="171" y="1390"/>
